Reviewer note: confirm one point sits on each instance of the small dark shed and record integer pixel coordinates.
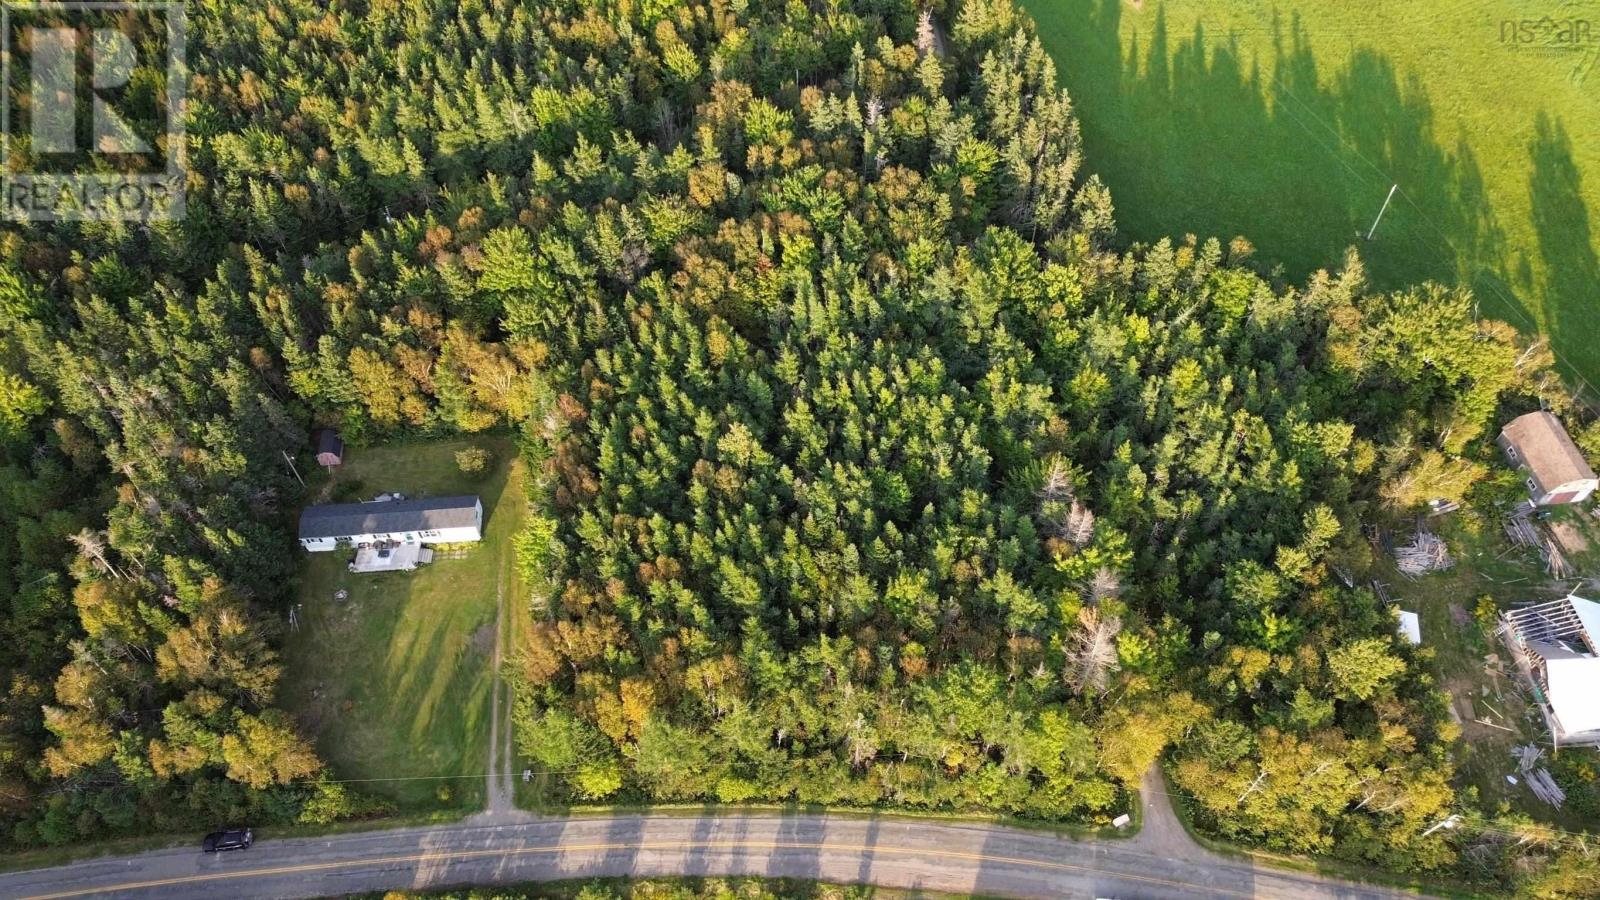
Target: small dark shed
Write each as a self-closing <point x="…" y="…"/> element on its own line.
<point x="330" y="449"/>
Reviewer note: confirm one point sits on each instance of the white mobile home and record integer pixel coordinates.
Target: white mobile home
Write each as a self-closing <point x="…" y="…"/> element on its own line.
<point x="442" y="520"/>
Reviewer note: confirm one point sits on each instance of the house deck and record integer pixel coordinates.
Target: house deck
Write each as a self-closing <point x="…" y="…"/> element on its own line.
<point x="398" y="558"/>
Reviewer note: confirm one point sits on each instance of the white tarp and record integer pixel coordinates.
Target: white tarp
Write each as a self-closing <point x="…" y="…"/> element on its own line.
<point x="1410" y="625"/>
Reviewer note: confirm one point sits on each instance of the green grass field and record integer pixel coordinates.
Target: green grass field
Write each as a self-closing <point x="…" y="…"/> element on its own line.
<point x="1287" y="123"/>
<point x="394" y="682"/>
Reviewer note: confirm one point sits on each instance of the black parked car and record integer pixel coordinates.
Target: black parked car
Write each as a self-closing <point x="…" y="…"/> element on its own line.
<point x="234" y="839"/>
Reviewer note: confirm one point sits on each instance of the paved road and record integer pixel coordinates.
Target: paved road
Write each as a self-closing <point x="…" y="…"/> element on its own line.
<point x="512" y="847"/>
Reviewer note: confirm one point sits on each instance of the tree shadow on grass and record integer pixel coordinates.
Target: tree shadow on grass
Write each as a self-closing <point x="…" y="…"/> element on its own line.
<point x="1192" y="134"/>
<point x="1571" y="282"/>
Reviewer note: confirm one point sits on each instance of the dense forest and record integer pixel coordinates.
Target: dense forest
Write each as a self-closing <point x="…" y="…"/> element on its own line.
<point x="876" y="469"/>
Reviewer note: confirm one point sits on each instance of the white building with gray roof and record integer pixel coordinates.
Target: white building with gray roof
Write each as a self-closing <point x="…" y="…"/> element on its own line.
<point x="440" y="520"/>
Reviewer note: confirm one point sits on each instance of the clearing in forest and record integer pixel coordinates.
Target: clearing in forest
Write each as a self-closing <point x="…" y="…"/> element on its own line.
<point x="394" y="681"/>
<point x="1489" y="700"/>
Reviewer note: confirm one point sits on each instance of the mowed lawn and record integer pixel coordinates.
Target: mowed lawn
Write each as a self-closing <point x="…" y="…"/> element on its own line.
<point x="394" y="682"/>
<point x="1287" y="122"/>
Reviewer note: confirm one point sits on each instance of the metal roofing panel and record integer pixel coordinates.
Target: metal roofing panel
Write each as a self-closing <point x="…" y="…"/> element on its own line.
<point x="387" y="517"/>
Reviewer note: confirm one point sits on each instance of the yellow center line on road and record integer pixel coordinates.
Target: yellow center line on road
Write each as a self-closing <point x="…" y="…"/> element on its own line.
<point x="463" y="855"/>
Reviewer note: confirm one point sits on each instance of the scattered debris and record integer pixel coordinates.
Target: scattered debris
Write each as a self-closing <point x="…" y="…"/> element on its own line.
<point x="1545" y="788"/>
<point x="1550" y="543"/>
<point x="1426" y="553"/>
<point x="1382" y="590"/>
<point x="1122" y="821"/>
<point x="1440" y="507"/>
<point x="341" y="595"/>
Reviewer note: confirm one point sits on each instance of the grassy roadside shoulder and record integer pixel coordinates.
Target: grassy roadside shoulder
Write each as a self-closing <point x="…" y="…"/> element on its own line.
<point x="1060" y="829"/>
<point x="46" y="857"/>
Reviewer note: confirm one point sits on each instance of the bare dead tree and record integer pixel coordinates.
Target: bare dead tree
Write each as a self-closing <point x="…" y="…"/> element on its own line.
<point x="1057" y="485"/>
<point x="1078" y="527"/>
<point x="863" y="743"/>
<point x="925" y="36"/>
<point x="1103" y="585"/>
<point x="91" y="545"/>
<point x="1092" y="652"/>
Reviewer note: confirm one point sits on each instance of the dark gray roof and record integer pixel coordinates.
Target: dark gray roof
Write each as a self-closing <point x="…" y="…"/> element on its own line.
<point x="345" y="519"/>
<point x="328" y="441"/>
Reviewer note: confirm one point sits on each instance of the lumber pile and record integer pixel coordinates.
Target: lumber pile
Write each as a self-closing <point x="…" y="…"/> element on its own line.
<point x="1521" y="530"/>
<point x="1537" y="777"/>
<point x="1524" y="533"/>
<point x="1527" y="756"/>
<point x="1545" y="788"/>
<point x="1555" y="562"/>
<point x="1426" y="553"/>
